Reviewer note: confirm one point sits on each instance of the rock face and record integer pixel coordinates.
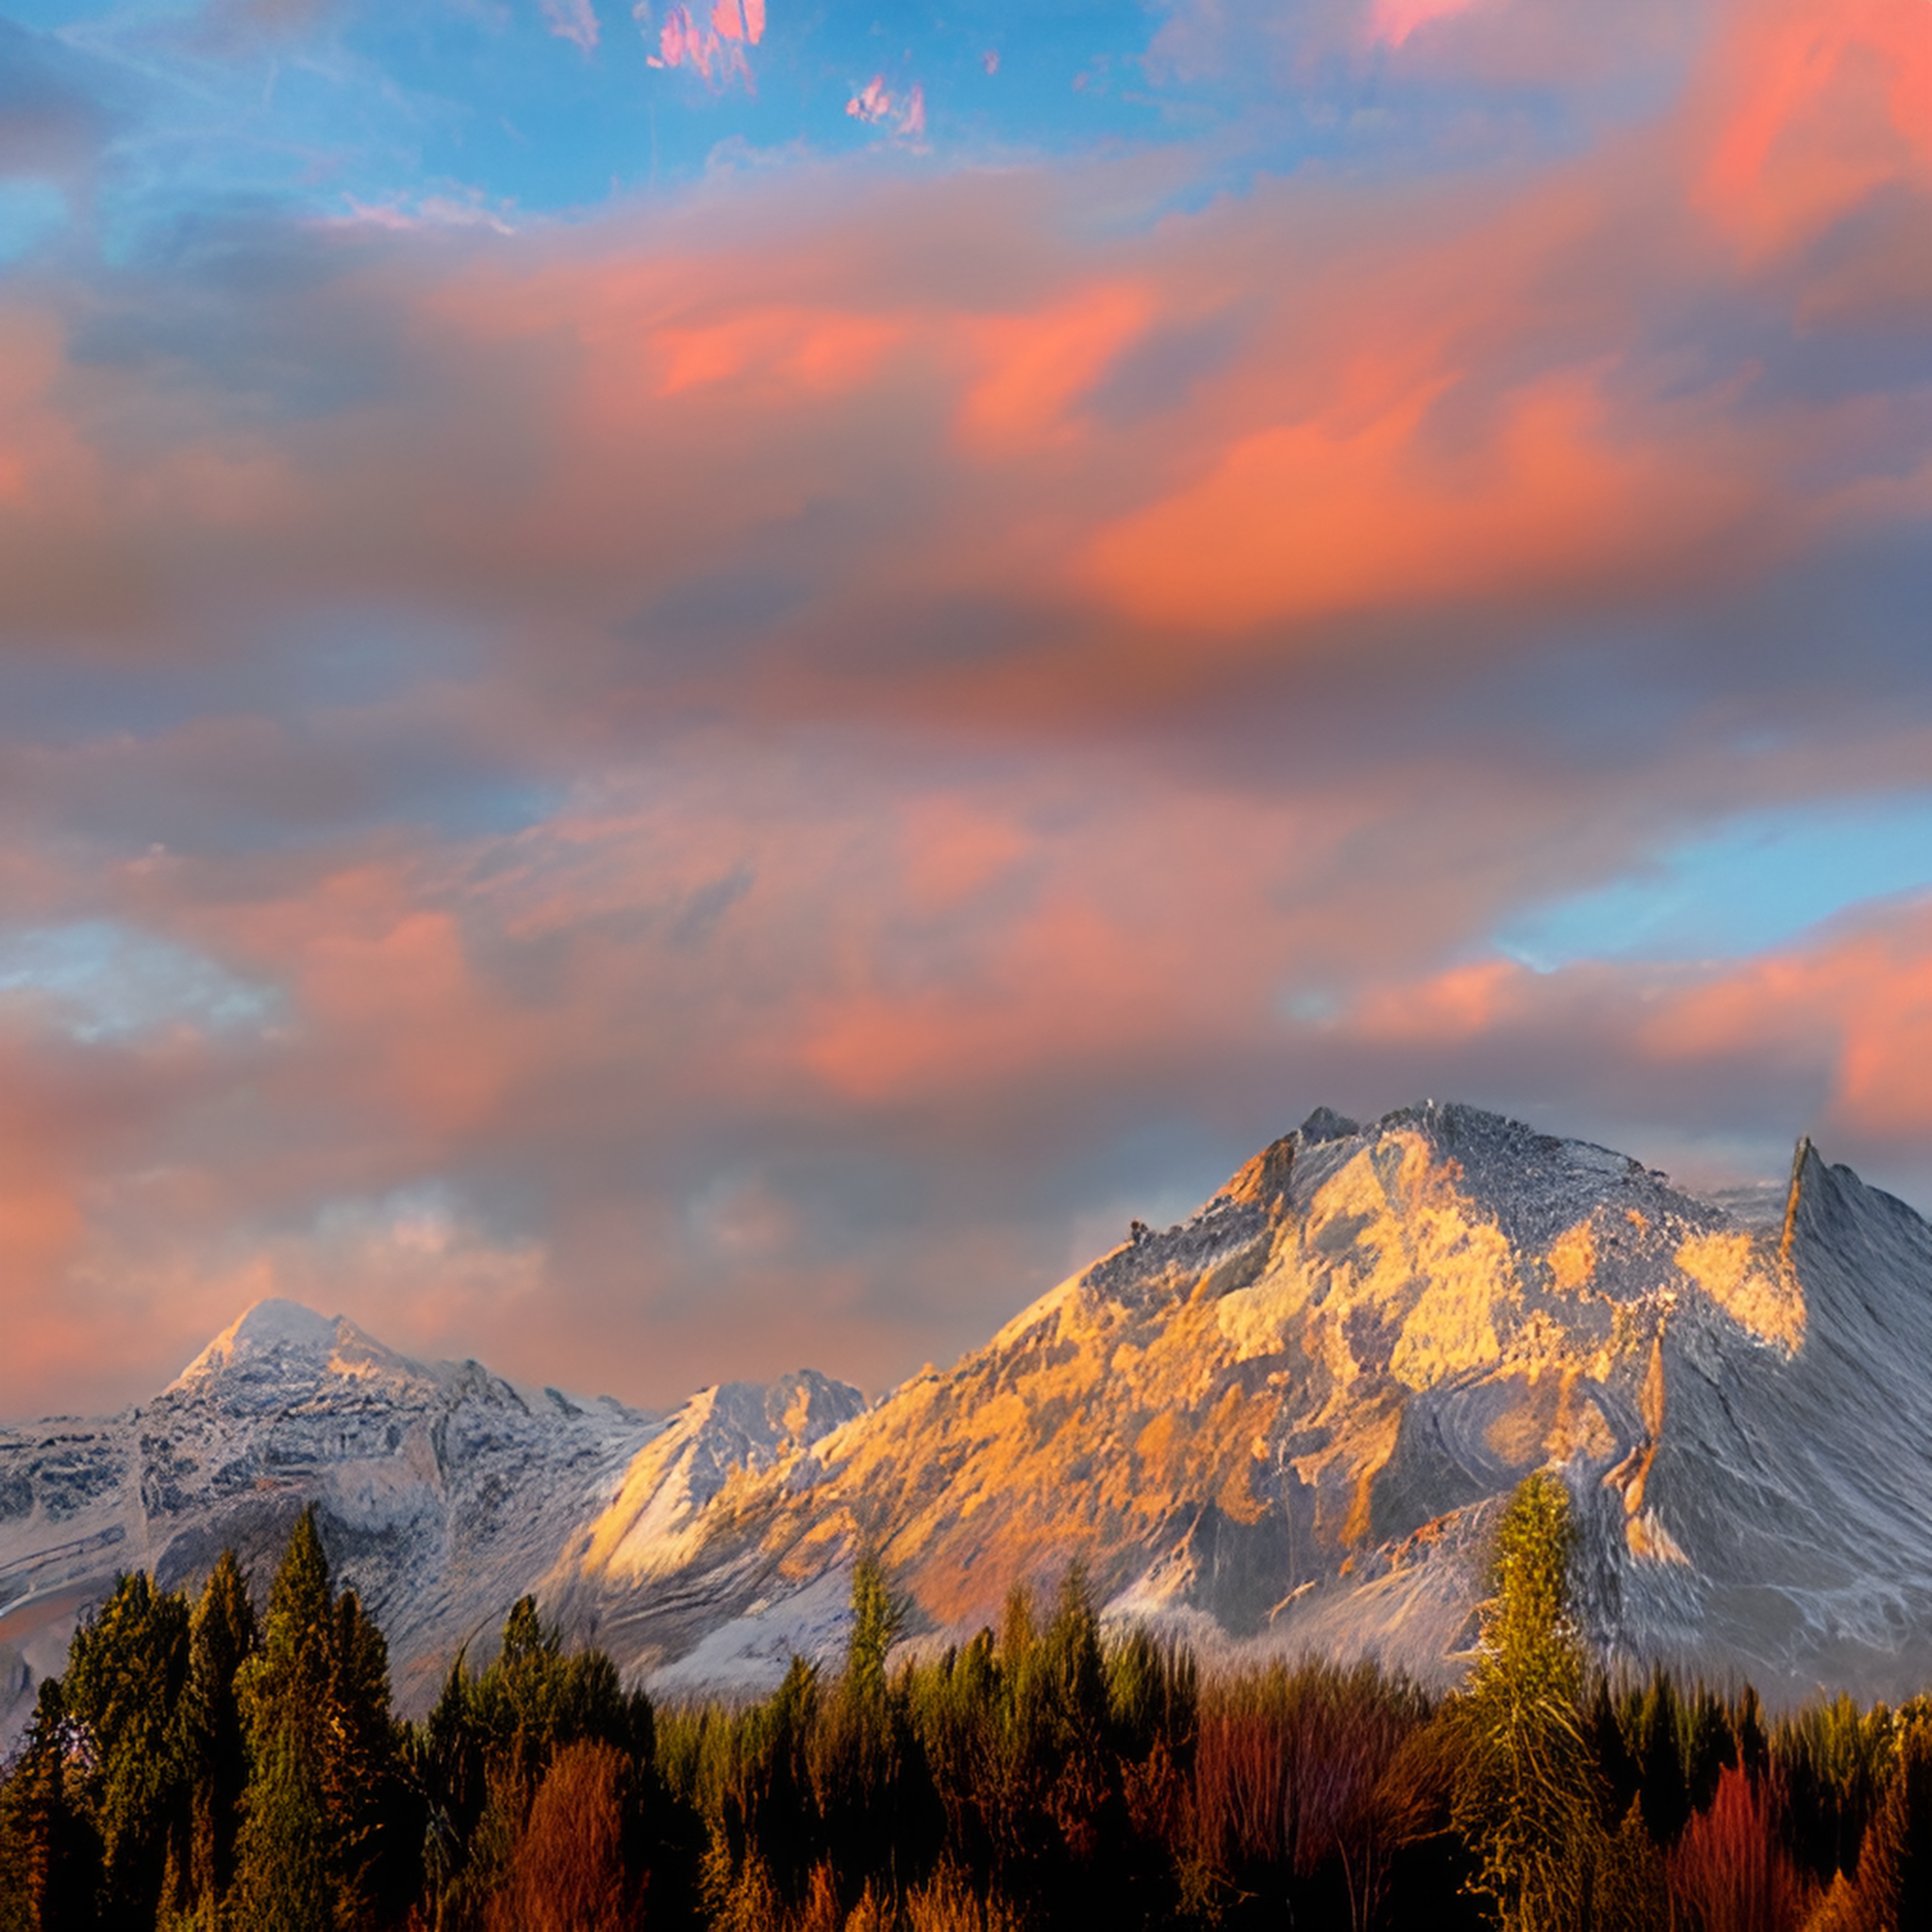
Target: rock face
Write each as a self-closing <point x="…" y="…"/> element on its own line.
<point x="1286" y="1422"/>
<point x="443" y="1491"/>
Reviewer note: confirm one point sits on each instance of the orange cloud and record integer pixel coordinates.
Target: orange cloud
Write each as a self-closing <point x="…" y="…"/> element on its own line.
<point x="1035" y="367"/>
<point x="1450" y="1006"/>
<point x="1814" y="107"/>
<point x="1863" y="999"/>
<point x="1304" y="519"/>
<point x="812" y="350"/>
<point x="954" y="849"/>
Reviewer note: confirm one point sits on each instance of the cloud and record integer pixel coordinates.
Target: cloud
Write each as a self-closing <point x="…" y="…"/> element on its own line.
<point x="574" y="20"/>
<point x="715" y="47"/>
<point x="877" y="105"/>
<point x="770" y="758"/>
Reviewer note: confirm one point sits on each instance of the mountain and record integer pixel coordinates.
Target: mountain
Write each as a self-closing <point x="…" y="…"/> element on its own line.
<point x="1286" y="1422"/>
<point x="444" y="1491"/>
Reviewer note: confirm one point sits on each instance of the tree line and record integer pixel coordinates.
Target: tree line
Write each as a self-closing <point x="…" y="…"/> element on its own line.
<point x="195" y="1767"/>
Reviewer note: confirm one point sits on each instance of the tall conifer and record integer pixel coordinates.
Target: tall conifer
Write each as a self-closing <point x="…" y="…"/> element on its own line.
<point x="320" y="1746"/>
<point x="221" y="1640"/>
<point x="1526" y="1798"/>
<point x="49" y="1852"/>
<point x="125" y="1670"/>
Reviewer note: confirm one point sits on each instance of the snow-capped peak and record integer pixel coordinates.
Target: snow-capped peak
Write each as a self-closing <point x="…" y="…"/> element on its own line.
<point x="285" y="1341"/>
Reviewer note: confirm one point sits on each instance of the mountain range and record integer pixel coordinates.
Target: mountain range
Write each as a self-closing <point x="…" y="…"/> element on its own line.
<point x="1284" y="1423"/>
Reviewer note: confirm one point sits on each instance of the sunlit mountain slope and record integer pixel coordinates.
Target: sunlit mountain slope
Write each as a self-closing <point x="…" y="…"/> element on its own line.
<point x="1286" y="1419"/>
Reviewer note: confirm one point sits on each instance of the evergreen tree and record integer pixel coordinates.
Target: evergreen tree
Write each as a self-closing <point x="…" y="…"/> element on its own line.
<point x="322" y="1790"/>
<point x="213" y="1743"/>
<point x="125" y="1672"/>
<point x="481" y="1757"/>
<point x="1526" y="1800"/>
<point x="1894" y="1881"/>
<point x="50" y="1854"/>
<point x="286" y="1878"/>
<point x="876" y="1620"/>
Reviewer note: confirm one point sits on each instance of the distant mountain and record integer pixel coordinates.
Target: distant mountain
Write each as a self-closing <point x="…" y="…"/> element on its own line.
<point x="444" y="1491"/>
<point x="1285" y="1422"/>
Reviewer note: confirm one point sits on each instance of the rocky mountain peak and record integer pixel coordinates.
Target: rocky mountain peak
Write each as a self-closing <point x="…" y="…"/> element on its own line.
<point x="279" y="1351"/>
<point x="273" y="1329"/>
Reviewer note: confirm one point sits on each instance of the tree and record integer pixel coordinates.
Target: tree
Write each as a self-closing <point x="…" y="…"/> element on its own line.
<point x="482" y="1755"/>
<point x="569" y="1871"/>
<point x="221" y="1639"/>
<point x="125" y="1672"/>
<point x="876" y="1620"/>
<point x="314" y="1701"/>
<point x="1526" y="1798"/>
<point x="286" y="1880"/>
<point x="50" y="1854"/>
<point x="1895" y="1880"/>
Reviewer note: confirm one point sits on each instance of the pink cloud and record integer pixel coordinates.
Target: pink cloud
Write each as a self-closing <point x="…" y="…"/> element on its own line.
<point x="715" y="50"/>
<point x="872" y="103"/>
<point x="876" y="106"/>
<point x="1035" y="366"/>
<point x="992" y="668"/>
<point x="739" y="20"/>
<point x="1394" y="20"/>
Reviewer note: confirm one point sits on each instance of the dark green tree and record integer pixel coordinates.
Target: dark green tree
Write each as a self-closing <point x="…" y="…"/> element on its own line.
<point x="321" y="1808"/>
<point x="213" y="1745"/>
<point x="126" y="1669"/>
<point x="287" y="1878"/>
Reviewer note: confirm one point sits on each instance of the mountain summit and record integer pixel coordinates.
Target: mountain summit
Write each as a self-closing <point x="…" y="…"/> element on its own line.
<point x="1286" y="1420"/>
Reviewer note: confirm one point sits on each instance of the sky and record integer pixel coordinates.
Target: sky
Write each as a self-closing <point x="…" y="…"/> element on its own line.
<point x="685" y="691"/>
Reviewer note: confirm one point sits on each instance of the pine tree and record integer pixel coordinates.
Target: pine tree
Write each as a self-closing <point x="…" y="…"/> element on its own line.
<point x="1894" y="1879"/>
<point x="285" y="1877"/>
<point x="876" y="1620"/>
<point x="50" y="1854"/>
<point x="482" y="1755"/>
<point x="321" y="1749"/>
<point x="125" y="1672"/>
<point x="1526" y="1800"/>
<point x="214" y="1746"/>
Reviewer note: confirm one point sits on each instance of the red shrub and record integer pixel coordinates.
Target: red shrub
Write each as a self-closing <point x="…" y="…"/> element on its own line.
<point x="1730" y="1872"/>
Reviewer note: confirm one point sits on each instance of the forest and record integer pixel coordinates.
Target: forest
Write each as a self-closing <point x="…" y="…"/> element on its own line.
<point x="199" y="1765"/>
